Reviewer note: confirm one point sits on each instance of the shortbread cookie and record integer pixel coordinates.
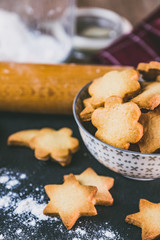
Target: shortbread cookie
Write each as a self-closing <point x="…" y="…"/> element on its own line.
<point x="150" y="141"/>
<point x="123" y="84"/>
<point x="90" y="178"/>
<point x="150" y="96"/>
<point x="117" y="123"/>
<point x="70" y="201"/>
<point x="47" y="142"/>
<point x="22" y="138"/>
<point x="149" y="70"/>
<point x="114" y="83"/>
<point x="148" y="218"/>
<point x="158" y="78"/>
<point x="85" y="115"/>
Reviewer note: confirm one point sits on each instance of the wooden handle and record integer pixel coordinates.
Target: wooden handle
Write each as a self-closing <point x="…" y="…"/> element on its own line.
<point x="42" y="88"/>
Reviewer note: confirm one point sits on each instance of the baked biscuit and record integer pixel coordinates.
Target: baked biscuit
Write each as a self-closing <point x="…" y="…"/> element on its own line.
<point x="150" y="141"/>
<point x="150" y="96"/>
<point x="86" y="113"/>
<point x="22" y="138"/>
<point x="70" y="201"/>
<point x="123" y="84"/>
<point x="114" y="83"/>
<point x="149" y="70"/>
<point x="90" y="178"/>
<point x="148" y="218"/>
<point x="158" y="78"/>
<point x="47" y="142"/>
<point x="117" y="123"/>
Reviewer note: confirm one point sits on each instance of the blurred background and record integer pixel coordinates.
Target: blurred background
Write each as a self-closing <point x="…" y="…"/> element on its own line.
<point x="133" y="10"/>
<point x="54" y="31"/>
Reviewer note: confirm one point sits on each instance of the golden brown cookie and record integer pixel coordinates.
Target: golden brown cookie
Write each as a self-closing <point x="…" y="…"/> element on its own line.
<point x="150" y="96"/>
<point x="90" y="178"/>
<point x="117" y="123"/>
<point x="150" y="141"/>
<point x="148" y="218"/>
<point x="158" y="78"/>
<point x="114" y="83"/>
<point x="70" y="201"/>
<point x="86" y="113"/>
<point x="149" y="70"/>
<point x="47" y="142"/>
<point x="22" y="138"/>
<point x="123" y="84"/>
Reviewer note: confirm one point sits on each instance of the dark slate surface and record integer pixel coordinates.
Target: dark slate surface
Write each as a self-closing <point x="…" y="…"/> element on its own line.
<point x="126" y="192"/>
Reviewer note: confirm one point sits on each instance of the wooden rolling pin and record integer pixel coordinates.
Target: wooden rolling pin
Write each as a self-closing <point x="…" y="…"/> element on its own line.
<point x="42" y="88"/>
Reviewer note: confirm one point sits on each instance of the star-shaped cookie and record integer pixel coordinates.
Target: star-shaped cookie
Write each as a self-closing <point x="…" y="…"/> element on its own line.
<point x="148" y="219"/>
<point x="150" y="96"/>
<point x="47" y="142"/>
<point x="117" y="123"/>
<point x="150" y="141"/>
<point x="90" y="178"/>
<point x="70" y="201"/>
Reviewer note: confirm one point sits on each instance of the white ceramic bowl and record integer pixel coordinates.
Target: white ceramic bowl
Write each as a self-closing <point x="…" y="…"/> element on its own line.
<point x="135" y="165"/>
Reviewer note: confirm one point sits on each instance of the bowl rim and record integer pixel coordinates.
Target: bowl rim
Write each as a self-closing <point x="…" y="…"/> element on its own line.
<point x="87" y="132"/>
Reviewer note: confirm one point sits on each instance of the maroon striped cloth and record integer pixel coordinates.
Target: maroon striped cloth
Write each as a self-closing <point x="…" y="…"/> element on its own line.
<point x="141" y="45"/>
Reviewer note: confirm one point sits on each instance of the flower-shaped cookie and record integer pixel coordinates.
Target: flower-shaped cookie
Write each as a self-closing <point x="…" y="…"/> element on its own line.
<point x="47" y="142"/>
<point x="117" y="123"/>
<point x="149" y="70"/>
<point x="150" y="141"/>
<point x="150" y="96"/>
<point x="114" y="83"/>
<point x="123" y="84"/>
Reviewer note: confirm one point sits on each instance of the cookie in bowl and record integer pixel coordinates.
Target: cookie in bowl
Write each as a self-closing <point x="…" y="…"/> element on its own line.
<point x="122" y="158"/>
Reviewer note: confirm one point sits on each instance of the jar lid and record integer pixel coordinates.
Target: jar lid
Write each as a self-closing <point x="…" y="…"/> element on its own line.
<point x="97" y="28"/>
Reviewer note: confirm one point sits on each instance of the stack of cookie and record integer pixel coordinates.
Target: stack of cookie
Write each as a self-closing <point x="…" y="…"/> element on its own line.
<point x="77" y="196"/>
<point x="126" y="110"/>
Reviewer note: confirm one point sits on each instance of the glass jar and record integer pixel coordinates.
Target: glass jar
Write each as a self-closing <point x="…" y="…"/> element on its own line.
<point x="38" y="31"/>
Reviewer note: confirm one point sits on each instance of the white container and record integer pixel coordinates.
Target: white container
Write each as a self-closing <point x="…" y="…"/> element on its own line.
<point x="135" y="165"/>
<point x="98" y="28"/>
<point x="39" y="31"/>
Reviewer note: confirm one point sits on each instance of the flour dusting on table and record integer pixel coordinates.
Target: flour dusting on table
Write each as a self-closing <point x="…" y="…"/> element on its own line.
<point x="22" y="205"/>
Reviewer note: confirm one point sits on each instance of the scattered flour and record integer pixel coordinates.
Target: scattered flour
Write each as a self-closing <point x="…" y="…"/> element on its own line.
<point x="28" y="205"/>
<point x="23" y="176"/>
<point x="24" y="208"/>
<point x="4" y="179"/>
<point x="32" y="223"/>
<point x="18" y="43"/>
<point x="4" y="201"/>
<point x="109" y="234"/>
<point x="12" y="183"/>
<point x="95" y="233"/>
<point x="80" y="231"/>
<point x="18" y="231"/>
